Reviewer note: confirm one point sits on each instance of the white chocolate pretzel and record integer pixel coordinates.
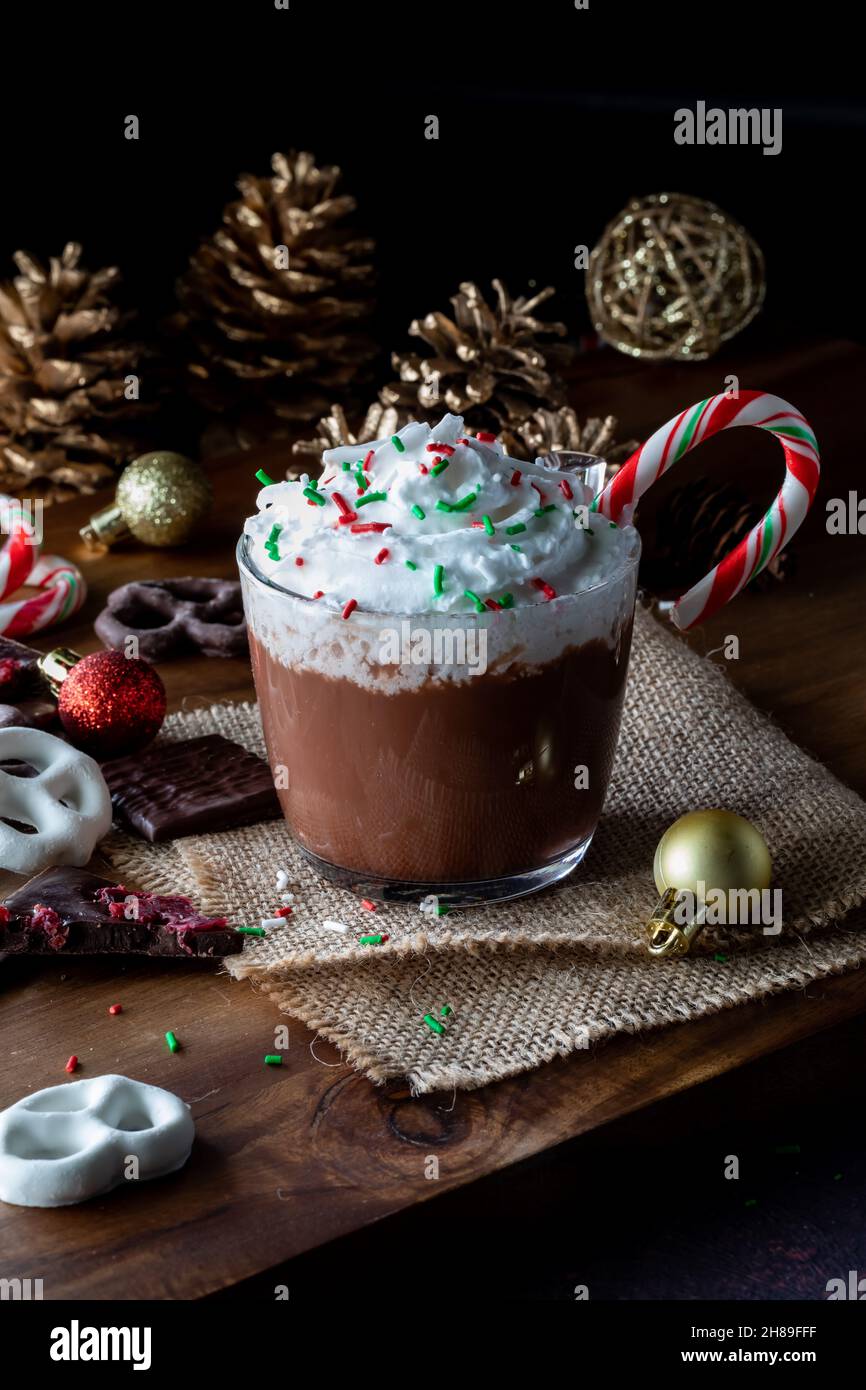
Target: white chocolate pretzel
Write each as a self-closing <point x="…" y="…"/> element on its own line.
<point x="71" y="1142"/>
<point x="64" y="809"/>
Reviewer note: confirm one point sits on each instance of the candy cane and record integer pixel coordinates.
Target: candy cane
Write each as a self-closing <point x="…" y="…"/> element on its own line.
<point x="776" y="527"/>
<point x="19" y="554"/>
<point x="64" y="591"/>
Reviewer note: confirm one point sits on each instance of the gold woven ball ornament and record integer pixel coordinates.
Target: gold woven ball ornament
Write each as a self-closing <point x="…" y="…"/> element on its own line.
<point x="672" y="278"/>
<point x="160" y="499"/>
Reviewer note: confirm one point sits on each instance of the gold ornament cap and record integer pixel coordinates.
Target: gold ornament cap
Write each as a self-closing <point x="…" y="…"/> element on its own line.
<point x="703" y="852"/>
<point x="56" y="665"/>
<point x="161" y="498"/>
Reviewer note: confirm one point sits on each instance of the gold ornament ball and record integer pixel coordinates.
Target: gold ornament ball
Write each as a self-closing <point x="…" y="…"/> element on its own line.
<point x="717" y="848"/>
<point x="163" y="496"/>
<point x="672" y="278"/>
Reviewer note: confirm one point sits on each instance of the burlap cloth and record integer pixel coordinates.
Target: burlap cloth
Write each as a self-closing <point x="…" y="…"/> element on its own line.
<point x="539" y="977"/>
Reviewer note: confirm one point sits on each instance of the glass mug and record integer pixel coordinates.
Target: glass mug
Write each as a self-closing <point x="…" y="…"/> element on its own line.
<point x="462" y="754"/>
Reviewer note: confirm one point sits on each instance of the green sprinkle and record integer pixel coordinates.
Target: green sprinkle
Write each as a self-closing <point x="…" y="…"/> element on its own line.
<point x="439" y="467"/>
<point x="398" y="444"/>
<point x="612" y="525"/>
<point x="473" y="598"/>
<point x="347" y="464"/>
<point x="723" y="960"/>
<point x="444" y="506"/>
<point x="172" y="1041"/>
<point x="541" y="511"/>
<point x="251" y="931"/>
<point x="507" y="601"/>
<point x="438" y="572"/>
<point x="273" y="1059"/>
<point x="787" y="1148"/>
<point x="410" y="564"/>
<point x="371" y="940"/>
<point x="315" y="496"/>
<point x="515" y="529"/>
<point x="360" y="477"/>
<point x="433" y="1024"/>
<point x="418" y="511"/>
<point x="752" y="1202"/>
<point x="264" y="478"/>
<point x="274" y="536"/>
<point x="442" y="911"/>
<point x="465" y="502"/>
<point x="488" y="525"/>
<point x="443" y="1013"/>
<point x="518" y="548"/>
<point x="371" y="497"/>
<point x="837" y="1177"/>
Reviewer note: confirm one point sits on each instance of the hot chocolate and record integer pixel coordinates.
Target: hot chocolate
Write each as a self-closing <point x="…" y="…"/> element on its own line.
<point x="440" y="640"/>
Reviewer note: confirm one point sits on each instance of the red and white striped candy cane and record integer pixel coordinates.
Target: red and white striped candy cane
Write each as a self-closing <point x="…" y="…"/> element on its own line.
<point x="63" y="592"/>
<point x="776" y="527"/>
<point x="19" y="554"/>
<point x="62" y="585"/>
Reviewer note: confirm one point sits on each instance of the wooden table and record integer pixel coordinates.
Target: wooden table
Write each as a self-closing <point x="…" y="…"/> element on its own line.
<point x="288" y="1159"/>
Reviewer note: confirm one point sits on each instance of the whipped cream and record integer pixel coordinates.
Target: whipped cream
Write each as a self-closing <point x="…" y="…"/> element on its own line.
<point x="432" y="520"/>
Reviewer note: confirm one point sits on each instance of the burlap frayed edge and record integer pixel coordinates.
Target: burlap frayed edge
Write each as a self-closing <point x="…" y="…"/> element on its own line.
<point x="626" y="947"/>
<point x="424" y="1082"/>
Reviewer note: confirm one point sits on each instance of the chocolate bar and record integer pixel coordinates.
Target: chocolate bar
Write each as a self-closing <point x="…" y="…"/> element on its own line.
<point x="190" y="787"/>
<point x="72" y="912"/>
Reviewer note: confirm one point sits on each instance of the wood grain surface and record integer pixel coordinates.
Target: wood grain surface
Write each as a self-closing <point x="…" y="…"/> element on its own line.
<point x="287" y="1159"/>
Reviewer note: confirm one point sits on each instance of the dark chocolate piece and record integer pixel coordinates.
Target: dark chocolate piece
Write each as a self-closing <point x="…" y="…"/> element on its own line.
<point x="72" y="912"/>
<point x="28" y="714"/>
<point x="191" y="787"/>
<point x="20" y="677"/>
<point x="169" y="617"/>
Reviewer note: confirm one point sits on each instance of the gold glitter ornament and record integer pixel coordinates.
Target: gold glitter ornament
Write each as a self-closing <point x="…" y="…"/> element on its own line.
<point x="673" y="277"/>
<point x="161" y="498"/>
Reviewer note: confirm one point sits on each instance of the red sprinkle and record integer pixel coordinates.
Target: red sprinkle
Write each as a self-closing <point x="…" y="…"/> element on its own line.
<point x="368" y="460"/>
<point x="463" y="440"/>
<point x="545" y="588"/>
<point x="72" y="1064"/>
<point x="491" y="603"/>
<point x="350" y="608"/>
<point x="283" y="912"/>
<point x="538" y="490"/>
<point x="422" y="468"/>
<point x="441" y="448"/>
<point x="515" y="477"/>
<point x="565" y="489"/>
<point x="4" y="915"/>
<point x="477" y="525"/>
<point x="116" y="1009"/>
<point x="298" y="560"/>
<point x="381" y="557"/>
<point x="346" y="520"/>
<point x="320" y="593"/>
<point x="365" y="527"/>
<point x="325" y="481"/>
<point x="341" y="503"/>
<point x="485" y="437"/>
<point x="370" y="906"/>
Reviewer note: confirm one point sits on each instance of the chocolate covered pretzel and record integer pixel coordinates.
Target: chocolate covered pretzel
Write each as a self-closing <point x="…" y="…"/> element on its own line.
<point x="171" y="617"/>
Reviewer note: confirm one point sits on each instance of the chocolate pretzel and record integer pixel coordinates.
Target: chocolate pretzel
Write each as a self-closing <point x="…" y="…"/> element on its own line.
<point x="170" y="617"/>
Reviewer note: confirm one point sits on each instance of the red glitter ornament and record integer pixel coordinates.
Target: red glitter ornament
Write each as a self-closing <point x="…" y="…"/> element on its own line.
<point x="110" y="704"/>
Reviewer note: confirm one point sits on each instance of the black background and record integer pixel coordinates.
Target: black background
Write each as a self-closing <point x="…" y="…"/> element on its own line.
<point x="550" y="119"/>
